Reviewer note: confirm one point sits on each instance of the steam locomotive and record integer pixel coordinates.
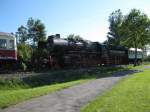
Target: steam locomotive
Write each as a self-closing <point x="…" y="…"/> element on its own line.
<point x="66" y="53"/>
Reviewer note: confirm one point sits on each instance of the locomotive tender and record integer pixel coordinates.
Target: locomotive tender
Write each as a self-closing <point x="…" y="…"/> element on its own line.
<point x="66" y="53"/>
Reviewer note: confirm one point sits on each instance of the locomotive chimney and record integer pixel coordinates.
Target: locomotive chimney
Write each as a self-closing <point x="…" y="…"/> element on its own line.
<point x="57" y="35"/>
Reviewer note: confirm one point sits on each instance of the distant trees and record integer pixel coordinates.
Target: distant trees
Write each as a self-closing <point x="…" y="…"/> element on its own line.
<point x="131" y="30"/>
<point x="74" y="38"/>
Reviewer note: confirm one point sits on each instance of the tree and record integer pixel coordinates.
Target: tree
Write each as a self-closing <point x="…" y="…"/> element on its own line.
<point x="36" y="30"/>
<point x="114" y="34"/>
<point x="40" y="29"/>
<point x="22" y="34"/>
<point x="31" y="29"/>
<point x="135" y="30"/>
<point x="75" y="38"/>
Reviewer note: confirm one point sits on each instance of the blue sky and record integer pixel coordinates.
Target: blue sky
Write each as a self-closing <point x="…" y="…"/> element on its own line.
<point x="88" y="18"/>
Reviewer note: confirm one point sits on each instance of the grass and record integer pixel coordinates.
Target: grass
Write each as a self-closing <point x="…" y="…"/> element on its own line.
<point x="9" y="97"/>
<point x="132" y="94"/>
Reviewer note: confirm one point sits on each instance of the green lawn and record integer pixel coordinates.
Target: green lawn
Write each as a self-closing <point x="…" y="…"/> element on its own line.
<point x="132" y="94"/>
<point x="9" y="97"/>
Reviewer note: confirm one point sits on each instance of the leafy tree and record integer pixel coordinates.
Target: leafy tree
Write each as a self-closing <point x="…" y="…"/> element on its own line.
<point x="115" y="20"/>
<point x="31" y="29"/>
<point x="36" y="30"/>
<point x="75" y="38"/>
<point x="71" y="38"/>
<point x="22" y="34"/>
<point x="135" y="30"/>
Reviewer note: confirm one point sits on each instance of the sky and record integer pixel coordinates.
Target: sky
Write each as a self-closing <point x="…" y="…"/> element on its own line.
<point x="87" y="18"/>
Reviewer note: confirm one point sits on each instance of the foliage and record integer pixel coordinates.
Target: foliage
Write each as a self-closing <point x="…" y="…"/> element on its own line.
<point x="129" y="95"/>
<point x="146" y="59"/>
<point x="75" y="38"/>
<point x="131" y="30"/>
<point x="136" y="30"/>
<point x="22" y="34"/>
<point x="114" y="35"/>
<point x="33" y="32"/>
<point x="24" y="52"/>
<point x="40" y="58"/>
<point x="36" y="30"/>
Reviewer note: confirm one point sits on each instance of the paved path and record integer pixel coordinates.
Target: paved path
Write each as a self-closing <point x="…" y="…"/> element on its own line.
<point x="68" y="100"/>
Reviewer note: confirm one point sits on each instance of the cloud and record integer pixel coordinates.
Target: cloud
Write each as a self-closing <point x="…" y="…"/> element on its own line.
<point x="95" y="33"/>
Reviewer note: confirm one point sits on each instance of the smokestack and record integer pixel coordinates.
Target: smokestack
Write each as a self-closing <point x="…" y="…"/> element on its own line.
<point x="57" y="35"/>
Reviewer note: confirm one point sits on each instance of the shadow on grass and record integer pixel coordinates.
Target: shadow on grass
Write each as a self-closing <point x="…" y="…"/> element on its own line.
<point x="41" y="79"/>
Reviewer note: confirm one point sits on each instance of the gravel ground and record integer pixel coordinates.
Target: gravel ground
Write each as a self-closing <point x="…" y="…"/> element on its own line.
<point x="70" y="99"/>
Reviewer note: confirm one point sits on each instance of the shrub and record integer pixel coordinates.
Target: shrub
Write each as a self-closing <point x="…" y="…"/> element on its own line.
<point x="24" y="52"/>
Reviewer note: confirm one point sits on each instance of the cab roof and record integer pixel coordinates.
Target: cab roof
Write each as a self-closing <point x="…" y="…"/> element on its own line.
<point x="6" y="34"/>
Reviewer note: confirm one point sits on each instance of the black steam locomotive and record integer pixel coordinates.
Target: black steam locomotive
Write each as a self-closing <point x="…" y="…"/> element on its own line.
<point x="65" y="53"/>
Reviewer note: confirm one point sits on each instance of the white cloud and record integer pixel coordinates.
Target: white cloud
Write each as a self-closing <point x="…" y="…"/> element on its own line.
<point x="95" y="33"/>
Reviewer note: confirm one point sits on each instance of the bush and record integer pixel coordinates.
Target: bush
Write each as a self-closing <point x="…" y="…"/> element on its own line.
<point x="147" y="59"/>
<point x="40" y="58"/>
<point x="24" y="52"/>
<point x="24" y="55"/>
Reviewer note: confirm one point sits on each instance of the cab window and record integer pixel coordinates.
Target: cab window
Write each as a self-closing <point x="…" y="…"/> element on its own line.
<point x="3" y="43"/>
